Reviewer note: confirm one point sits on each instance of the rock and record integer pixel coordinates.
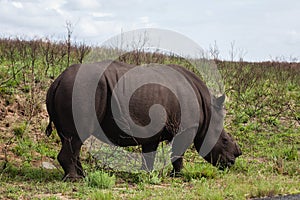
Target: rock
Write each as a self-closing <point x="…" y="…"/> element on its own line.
<point x="48" y="165"/>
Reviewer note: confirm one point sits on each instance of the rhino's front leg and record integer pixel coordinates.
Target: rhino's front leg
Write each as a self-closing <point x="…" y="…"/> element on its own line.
<point x="180" y="144"/>
<point x="177" y="165"/>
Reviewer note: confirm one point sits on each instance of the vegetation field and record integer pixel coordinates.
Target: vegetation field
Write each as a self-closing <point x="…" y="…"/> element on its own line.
<point x="262" y="113"/>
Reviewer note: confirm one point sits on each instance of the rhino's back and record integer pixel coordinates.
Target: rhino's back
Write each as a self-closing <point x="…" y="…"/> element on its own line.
<point x="140" y="102"/>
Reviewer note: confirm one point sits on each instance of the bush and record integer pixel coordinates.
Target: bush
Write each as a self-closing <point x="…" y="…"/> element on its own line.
<point x="19" y="130"/>
<point x="100" y="179"/>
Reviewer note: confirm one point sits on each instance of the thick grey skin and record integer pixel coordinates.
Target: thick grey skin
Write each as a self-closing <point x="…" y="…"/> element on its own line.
<point x="59" y="107"/>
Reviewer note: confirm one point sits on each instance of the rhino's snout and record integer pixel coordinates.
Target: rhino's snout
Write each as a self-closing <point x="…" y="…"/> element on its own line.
<point x="238" y="151"/>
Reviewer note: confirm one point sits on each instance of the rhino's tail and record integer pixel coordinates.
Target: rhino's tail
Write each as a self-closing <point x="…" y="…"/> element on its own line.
<point x="49" y="128"/>
<point x="50" y="104"/>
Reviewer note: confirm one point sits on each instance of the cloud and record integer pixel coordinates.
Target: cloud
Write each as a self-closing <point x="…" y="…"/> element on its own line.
<point x="82" y="5"/>
<point x="17" y="4"/>
<point x="263" y="28"/>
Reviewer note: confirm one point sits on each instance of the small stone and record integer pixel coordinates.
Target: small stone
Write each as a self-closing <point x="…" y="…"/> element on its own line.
<point x="48" y="165"/>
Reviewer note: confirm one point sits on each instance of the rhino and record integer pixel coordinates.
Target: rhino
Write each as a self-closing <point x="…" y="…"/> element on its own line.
<point x="61" y="105"/>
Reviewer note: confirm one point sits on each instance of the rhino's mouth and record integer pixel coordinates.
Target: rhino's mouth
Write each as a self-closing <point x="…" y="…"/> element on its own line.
<point x="225" y="163"/>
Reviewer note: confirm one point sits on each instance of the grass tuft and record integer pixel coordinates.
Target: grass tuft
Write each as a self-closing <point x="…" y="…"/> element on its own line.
<point x="100" y="179"/>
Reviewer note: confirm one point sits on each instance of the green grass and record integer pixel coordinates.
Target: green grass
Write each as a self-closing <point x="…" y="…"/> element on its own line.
<point x="100" y="179"/>
<point x="250" y="177"/>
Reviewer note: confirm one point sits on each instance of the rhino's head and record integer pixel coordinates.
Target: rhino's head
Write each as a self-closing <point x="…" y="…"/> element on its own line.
<point x="223" y="149"/>
<point x="224" y="152"/>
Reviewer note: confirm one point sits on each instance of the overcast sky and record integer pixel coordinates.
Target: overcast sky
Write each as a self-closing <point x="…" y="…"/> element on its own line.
<point x="260" y="29"/>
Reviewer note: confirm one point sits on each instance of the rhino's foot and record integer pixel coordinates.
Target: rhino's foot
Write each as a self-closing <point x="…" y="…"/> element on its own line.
<point x="72" y="177"/>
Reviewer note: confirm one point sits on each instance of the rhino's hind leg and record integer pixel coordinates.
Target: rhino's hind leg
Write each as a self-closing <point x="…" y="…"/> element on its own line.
<point x="148" y="156"/>
<point x="69" y="158"/>
<point x="79" y="168"/>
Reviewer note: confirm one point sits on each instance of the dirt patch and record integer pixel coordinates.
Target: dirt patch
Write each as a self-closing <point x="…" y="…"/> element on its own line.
<point x="58" y="195"/>
<point x="12" y="109"/>
<point x="283" y="197"/>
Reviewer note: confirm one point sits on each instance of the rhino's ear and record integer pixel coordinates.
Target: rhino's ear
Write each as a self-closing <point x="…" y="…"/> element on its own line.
<point x="220" y="100"/>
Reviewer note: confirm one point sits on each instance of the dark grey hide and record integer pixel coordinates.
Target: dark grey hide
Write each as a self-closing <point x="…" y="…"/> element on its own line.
<point x="59" y="106"/>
